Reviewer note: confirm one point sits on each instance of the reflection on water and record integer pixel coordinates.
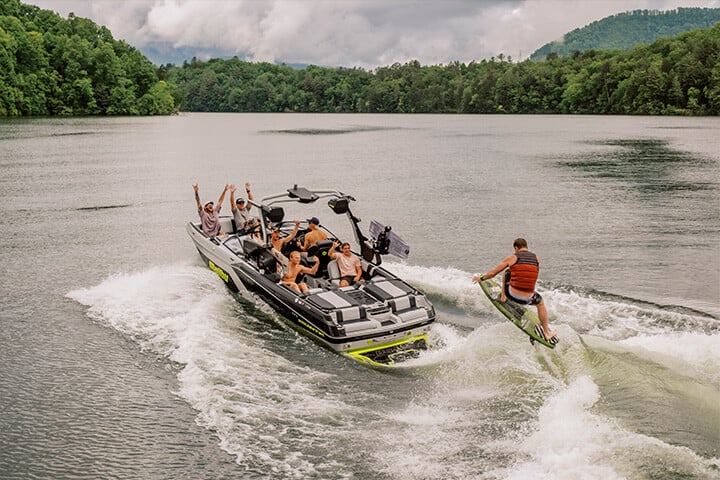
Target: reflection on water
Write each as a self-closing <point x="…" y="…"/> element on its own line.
<point x="104" y="207"/>
<point x="650" y="166"/>
<point x="329" y="131"/>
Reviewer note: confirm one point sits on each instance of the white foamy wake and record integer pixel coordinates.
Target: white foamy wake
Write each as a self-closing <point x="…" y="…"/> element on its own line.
<point x="652" y="328"/>
<point x="683" y="351"/>
<point x="572" y="441"/>
<point x="255" y="400"/>
<point x="450" y="428"/>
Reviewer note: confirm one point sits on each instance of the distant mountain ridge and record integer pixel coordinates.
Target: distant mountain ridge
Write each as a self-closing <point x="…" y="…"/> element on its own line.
<point x="626" y="30"/>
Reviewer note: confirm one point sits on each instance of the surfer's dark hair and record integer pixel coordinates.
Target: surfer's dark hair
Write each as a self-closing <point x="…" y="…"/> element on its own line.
<point x="520" y="243"/>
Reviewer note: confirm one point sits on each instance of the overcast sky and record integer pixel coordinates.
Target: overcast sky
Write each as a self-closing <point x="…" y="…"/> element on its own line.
<point x="362" y="33"/>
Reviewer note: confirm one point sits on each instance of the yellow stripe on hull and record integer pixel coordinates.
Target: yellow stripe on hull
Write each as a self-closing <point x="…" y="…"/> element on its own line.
<point x="360" y="354"/>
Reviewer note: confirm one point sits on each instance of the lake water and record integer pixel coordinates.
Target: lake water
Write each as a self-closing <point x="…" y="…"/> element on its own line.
<point x="122" y="356"/>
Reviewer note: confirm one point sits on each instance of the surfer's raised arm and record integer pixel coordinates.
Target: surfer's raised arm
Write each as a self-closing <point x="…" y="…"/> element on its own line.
<point x="507" y="262"/>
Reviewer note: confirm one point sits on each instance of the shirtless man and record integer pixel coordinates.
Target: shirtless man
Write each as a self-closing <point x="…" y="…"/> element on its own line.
<point x="278" y="242"/>
<point x="295" y="269"/>
<point x="521" y="273"/>
<point x="313" y="236"/>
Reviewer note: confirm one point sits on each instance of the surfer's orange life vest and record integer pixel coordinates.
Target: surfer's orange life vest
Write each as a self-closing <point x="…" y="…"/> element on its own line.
<point x="524" y="273"/>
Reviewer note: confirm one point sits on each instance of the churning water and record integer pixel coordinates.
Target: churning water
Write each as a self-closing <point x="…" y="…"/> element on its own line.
<point x="124" y="357"/>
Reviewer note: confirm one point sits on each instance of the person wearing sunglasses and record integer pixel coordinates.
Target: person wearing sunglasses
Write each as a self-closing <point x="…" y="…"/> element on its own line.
<point x="240" y="209"/>
<point x="209" y="213"/>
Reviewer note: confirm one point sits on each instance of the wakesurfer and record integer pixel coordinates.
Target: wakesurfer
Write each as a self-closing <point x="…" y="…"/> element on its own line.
<point x="521" y="272"/>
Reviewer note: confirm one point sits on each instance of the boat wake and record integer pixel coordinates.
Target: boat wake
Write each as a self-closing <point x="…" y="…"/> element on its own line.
<point x="482" y="403"/>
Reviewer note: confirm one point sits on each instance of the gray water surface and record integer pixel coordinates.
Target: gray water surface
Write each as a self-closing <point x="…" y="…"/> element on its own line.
<point x="124" y="357"/>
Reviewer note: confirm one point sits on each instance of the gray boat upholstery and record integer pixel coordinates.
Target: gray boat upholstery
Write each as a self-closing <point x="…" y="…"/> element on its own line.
<point x="227" y="225"/>
<point x="333" y="270"/>
<point x="388" y="289"/>
<point x="345" y="308"/>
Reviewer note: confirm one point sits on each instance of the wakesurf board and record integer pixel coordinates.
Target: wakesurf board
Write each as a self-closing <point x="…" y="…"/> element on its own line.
<point x="523" y="316"/>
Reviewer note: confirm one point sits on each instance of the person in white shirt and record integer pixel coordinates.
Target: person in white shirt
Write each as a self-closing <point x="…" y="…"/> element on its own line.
<point x="349" y="263"/>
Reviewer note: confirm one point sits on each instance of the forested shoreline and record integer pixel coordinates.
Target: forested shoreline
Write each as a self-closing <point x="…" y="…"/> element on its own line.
<point x="675" y="76"/>
<point x="55" y="66"/>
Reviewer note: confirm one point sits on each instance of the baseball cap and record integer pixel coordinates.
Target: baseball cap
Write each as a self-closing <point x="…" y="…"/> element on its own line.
<point x="313" y="220"/>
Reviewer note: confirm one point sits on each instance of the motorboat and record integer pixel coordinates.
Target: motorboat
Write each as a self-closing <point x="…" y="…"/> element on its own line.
<point x="381" y="320"/>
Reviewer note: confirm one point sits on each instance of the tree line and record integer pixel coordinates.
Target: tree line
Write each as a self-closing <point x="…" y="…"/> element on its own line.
<point x="672" y="76"/>
<point x="53" y="66"/>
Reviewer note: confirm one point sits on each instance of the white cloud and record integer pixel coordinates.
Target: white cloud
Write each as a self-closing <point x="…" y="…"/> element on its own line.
<point x="366" y="33"/>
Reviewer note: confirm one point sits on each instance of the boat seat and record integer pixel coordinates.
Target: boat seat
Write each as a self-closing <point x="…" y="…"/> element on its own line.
<point x="350" y="315"/>
<point x="361" y="325"/>
<point x="252" y="246"/>
<point x="227" y="225"/>
<point x="372" y="271"/>
<point x="401" y="304"/>
<point x="332" y="299"/>
<point x="412" y="315"/>
<point x="333" y="270"/>
<point x="388" y="289"/>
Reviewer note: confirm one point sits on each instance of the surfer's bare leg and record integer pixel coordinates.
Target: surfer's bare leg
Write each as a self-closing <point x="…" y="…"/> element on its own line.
<point x="543" y="316"/>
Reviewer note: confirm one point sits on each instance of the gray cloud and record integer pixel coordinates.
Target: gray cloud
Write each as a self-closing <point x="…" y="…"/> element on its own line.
<point x="367" y="33"/>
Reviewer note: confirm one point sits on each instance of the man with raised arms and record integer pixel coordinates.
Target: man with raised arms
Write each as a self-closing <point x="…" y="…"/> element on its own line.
<point x="209" y="215"/>
<point x="239" y="208"/>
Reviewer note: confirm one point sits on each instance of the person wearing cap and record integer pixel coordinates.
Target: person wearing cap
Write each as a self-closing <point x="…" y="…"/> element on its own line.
<point x="313" y="236"/>
<point x="209" y="214"/>
<point x="278" y="242"/>
<point x="239" y="208"/>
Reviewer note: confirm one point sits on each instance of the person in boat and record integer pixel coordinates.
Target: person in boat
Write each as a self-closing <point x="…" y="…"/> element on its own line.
<point x="313" y="236"/>
<point x="277" y="244"/>
<point x="209" y="213"/>
<point x="521" y="273"/>
<point x="253" y="228"/>
<point x="295" y="269"/>
<point x="239" y="209"/>
<point x="349" y="264"/>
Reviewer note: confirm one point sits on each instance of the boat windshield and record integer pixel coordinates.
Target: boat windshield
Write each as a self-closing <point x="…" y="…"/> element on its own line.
<point x="233" y="243"/>
<point x="334" y="225"/>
